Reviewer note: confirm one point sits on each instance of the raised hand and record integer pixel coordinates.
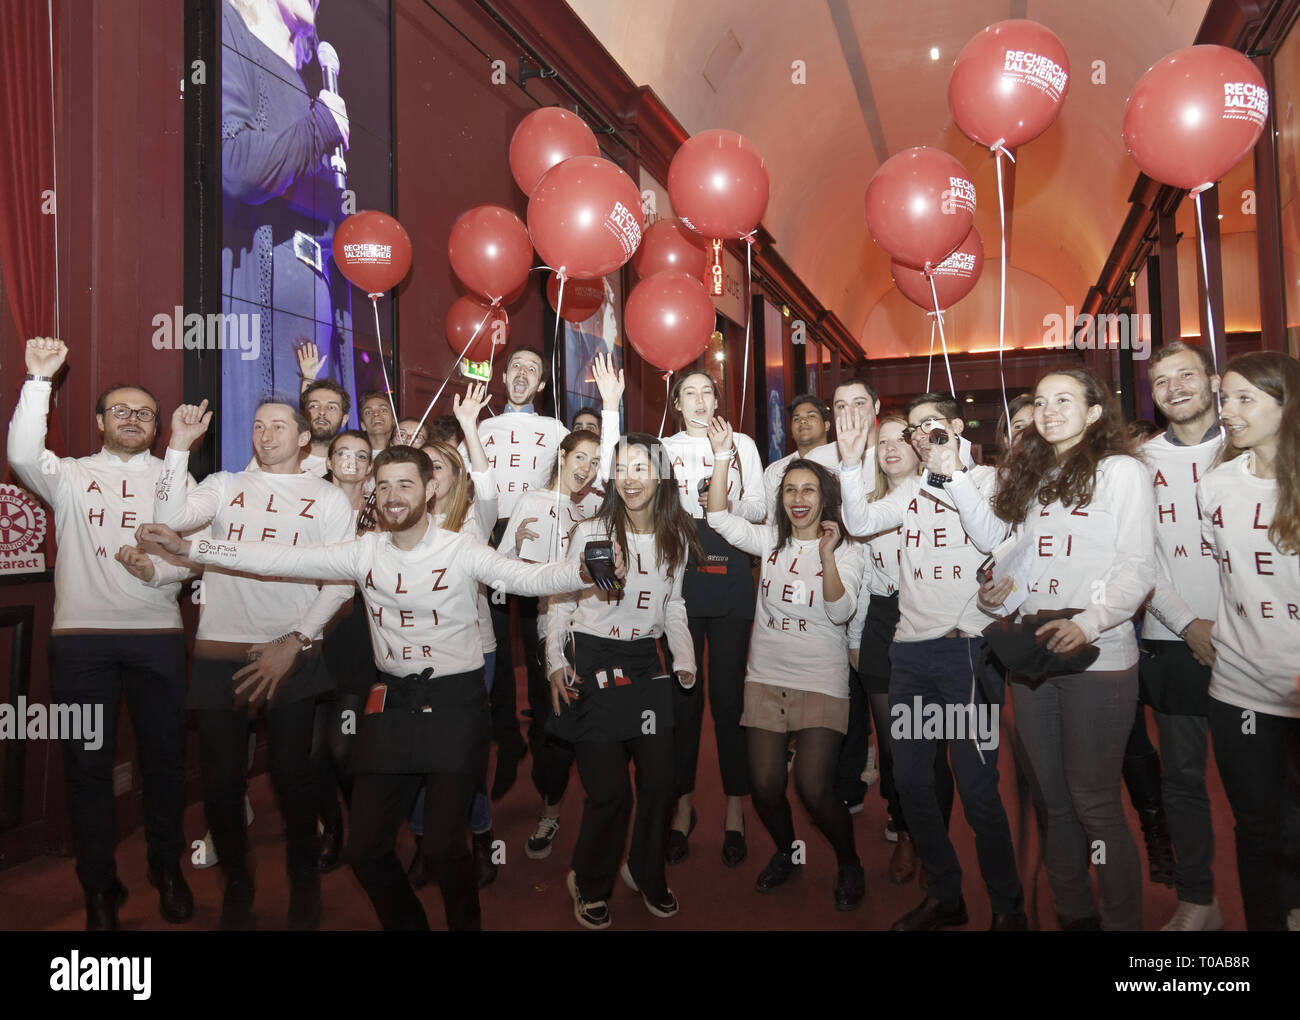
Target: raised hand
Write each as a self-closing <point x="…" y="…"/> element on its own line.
<point x="136" y="561"/>
<point x="609" y="382"/>
<point x="45" y="355"/>
<point x="189" y="423"/>
<point x="720" y="436"/>
<point x="525" y="533"/>
<point x="467" y="408"/>
<point x="309" y="360"/>
<point x="852" y="431"/>
<point x="944" y="459"/>
<point x="827" y="540"/>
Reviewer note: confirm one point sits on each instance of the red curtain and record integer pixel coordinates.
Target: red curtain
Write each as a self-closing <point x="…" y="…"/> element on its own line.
<point x="26" y="169"/>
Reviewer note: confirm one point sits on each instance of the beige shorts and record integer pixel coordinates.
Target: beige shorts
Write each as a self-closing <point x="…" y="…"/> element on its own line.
<point x="785" y="710"/>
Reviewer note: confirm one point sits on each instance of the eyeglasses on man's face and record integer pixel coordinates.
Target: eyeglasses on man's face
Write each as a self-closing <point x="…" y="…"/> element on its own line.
<point x="124" y="412"/>
<point x="924" y="427"/>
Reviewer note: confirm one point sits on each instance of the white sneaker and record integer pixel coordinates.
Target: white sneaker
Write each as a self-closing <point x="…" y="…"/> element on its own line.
<point x="891" y="833"/>
<point x="870" y="774"/>
<point x="539" y="843"/>
<point x="1195" y="917"/>
<point x="205" y="854"/>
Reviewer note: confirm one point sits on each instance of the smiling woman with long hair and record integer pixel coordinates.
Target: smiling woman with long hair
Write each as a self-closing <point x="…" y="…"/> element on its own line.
<point x="610" y="689"/>
<point x="1250" y="516"/>
<point x="1076" y="496"/>
<point x="797" y="675"/>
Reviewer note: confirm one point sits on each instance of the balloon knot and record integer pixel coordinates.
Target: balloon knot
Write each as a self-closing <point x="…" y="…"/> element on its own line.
<point x="375" y="295"/>
<point x="1201" y="187"/>
<point x="749" y="238"/>
<point x="667" y="374"/>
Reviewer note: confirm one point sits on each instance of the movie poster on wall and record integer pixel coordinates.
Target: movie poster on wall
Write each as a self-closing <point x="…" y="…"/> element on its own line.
<point x="306" y="140"/>
<point x="602" y="333"/>
<point x="774" y="379"/>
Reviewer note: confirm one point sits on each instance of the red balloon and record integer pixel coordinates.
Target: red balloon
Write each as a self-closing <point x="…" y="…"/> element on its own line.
<point x="585" y="217"/>
<point x="669" y="319"/>
<point x="669" y="247"/>
<point x="372" y="250"/>
<point x="954" y="277"/>
<point x="1009" y="83"/>
<point x="470" y="317"/>
<point x="1195" y="115"/>
<point x="490" y="252"/>
<point x="718" y="184"/>
<point x="920" y="206"/>
<point x="581" y="298"/>
<point x="544" y="138"/>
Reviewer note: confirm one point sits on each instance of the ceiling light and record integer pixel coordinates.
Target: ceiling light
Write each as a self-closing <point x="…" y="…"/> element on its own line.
<point x="970" y="400"/>
<point x="721" y="356"/>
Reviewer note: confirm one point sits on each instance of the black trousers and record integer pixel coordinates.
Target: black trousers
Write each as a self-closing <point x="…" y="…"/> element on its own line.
<point x="728" y="648"/>
<point x="552" y="757"/>
<point x="856" y="743"/>
<point x="602" y="767"/>
<point x="331" y="743"/>
<point x="223" y="755"/>
<point x="1258" y="755"/>
<point x="380" y="803"/>
<point x="505" y="717"/>
<point x="97" y="670"/>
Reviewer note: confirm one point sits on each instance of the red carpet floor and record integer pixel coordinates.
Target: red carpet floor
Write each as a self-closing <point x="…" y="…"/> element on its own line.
<point x="43" y="894"/>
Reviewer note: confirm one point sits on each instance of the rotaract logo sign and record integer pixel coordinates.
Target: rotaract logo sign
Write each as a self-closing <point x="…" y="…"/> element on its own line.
<point x="22" y="530"/>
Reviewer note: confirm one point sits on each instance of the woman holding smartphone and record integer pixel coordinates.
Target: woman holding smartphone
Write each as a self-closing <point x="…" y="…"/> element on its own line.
<point x="1250" y="516"/>
<point x="1069" y="487"/>
<point x="610" y="688"/>
<point x="719" y="593"/>
<point x="797" y="677"/>
<point x="538" y="532"/>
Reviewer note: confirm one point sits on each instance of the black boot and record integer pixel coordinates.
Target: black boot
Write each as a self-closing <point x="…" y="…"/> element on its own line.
<point x="1160" y="848"/>
<point x="418" y="873"/>
<point x="175" y="901"/>
<point x="102" y="907"/>
<point x="331" y="848"/>
<point x="1142" y="778"/>
<point x="485" y="869"/>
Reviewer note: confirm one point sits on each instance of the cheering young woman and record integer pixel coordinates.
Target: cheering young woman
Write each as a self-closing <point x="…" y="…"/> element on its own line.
<point x="871" y="633"/>
<point x="797" y="679"/>
<point x="538" y="532"/>
<point x="610" y="690"/>
<point x="719" y="592"/>
<point x="1250" y="516"/>
<point x="1072" y="490"/>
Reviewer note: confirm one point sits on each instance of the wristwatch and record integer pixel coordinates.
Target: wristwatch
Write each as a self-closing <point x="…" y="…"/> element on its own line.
<point x="33" y="377"/>
<point x="307" y="643"/>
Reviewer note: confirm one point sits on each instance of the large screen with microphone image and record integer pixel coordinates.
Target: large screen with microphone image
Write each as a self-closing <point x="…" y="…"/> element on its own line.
<point x="305" y="141"/>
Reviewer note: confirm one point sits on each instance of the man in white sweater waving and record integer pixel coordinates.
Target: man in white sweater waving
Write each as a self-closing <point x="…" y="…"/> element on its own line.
<point x="258" y="642"/>
<point x="114" y="635"/>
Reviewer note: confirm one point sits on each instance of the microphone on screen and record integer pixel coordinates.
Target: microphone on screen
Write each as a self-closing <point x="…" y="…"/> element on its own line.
<point x="328" y="59"/>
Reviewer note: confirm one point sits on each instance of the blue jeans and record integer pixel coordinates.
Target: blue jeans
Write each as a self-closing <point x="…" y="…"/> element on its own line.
<point x="941" y="672"/>
<point x="480" y="809"/>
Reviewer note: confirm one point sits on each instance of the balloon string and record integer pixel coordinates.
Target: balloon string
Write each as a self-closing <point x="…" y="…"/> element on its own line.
<point x="664" y="419"/>
<point x="555" y="343"/>
<point x="749" y="321"/>
<point x="943" y="340"/>
<point x="1002" y="298"/>
<point x="930" y="363"/>
<point x="379" y="342"/>
<point x="1205" y="272"/>
<point x="454" y="367"/>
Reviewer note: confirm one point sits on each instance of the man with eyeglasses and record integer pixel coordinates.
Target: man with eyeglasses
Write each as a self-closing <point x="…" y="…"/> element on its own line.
<point x="113" y="634"/>
<point x="810" y="420"/>
<point x="938" y="660"/>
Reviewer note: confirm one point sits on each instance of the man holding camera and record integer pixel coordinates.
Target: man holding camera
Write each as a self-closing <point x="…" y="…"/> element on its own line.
<point x="938" y="659"/>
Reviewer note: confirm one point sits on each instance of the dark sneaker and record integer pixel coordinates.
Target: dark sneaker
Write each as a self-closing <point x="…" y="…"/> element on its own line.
<point x="539" y="843"/>
<point x="593" y="914"/>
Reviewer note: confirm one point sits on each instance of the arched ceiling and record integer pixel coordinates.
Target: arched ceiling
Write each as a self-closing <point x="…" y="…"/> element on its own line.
<point x="873" y="90"/>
